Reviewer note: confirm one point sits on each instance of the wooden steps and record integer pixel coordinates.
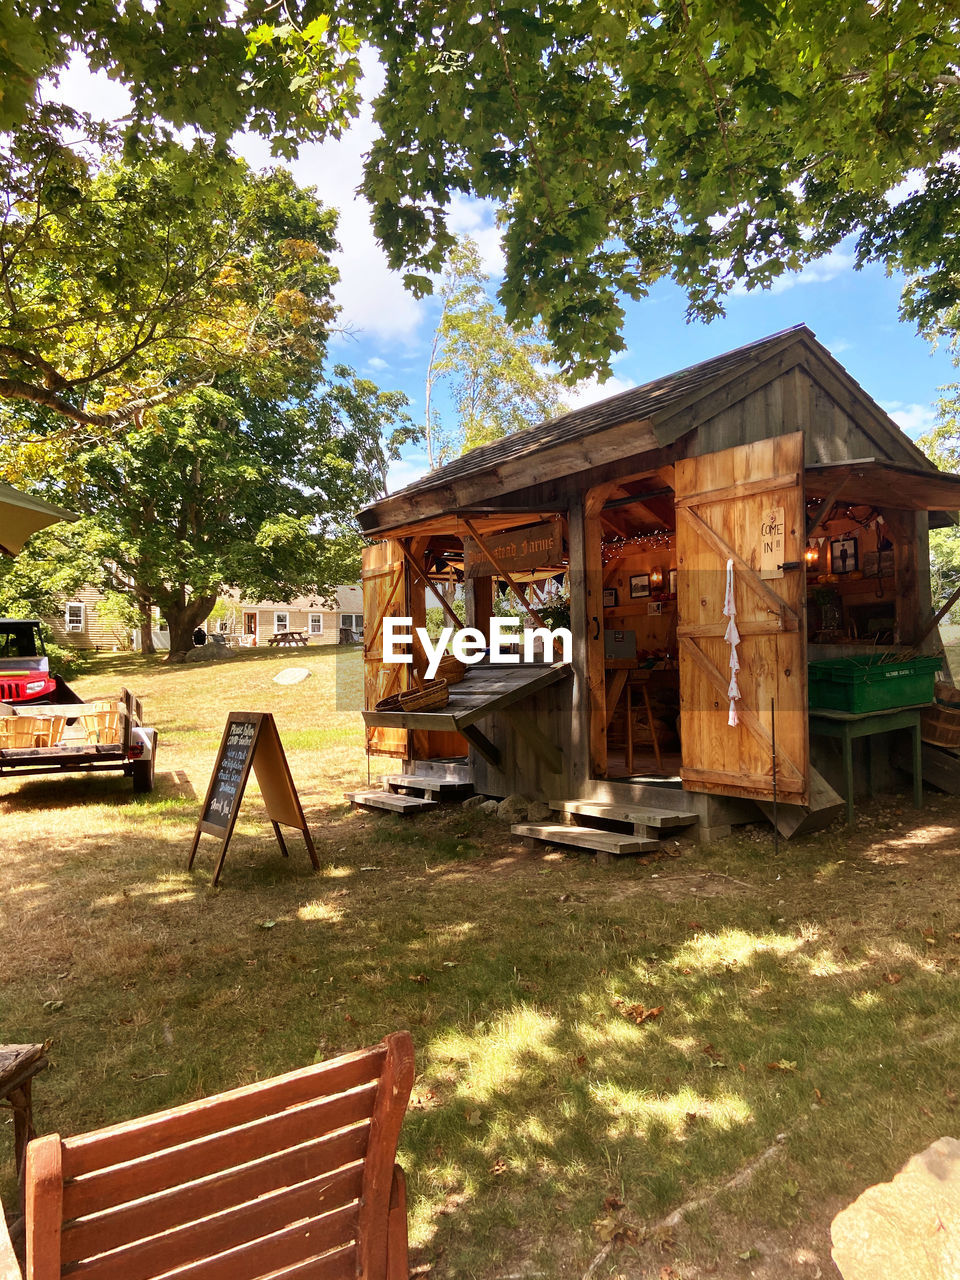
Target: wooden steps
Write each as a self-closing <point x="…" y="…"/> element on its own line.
<point x="453" y="770"/>
<point x="607" y="826"/>
<point x="435" y="788"/>
<point x="603" y="842"/>
<point x="390" y="800"/>
<point x="642" y="820"/>
<point x="421" y="785"/>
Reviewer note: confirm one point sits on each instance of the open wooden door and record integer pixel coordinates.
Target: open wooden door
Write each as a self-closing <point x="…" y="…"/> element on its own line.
<point x="384" y="579"/>
<point x="744" y="504"/>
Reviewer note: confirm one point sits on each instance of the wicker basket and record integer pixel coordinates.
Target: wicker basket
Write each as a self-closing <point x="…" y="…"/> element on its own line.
<point x="451" y="669"/>
<point x="431" y="697"/>
<point x="940" y="726"/>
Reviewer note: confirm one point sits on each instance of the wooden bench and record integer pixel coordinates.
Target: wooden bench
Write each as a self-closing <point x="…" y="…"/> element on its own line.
<point x="19" y="1063"/>
<point x="291" y="1177"/>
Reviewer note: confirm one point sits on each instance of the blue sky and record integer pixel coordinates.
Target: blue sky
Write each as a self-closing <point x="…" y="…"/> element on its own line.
<point x="387" y="333"/>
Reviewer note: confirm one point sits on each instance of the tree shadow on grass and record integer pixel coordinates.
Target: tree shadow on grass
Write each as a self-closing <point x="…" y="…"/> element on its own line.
<point x="544" y="1094"/>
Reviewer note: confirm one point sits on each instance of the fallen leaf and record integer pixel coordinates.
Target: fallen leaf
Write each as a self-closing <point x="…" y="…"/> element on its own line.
<point x="791" y="1188"/>
<point x="418" y="977"/>
<point x="499" y="1166"/>
<point x="267" y="924"/>
<point x="711" y="1051"/>
<point x="636" y="1012"/>
<point x="748" y="1254"/>
<point x="667" y="1273"/>
<point x="782" y="1065"/>
<point x="473" y="1117"/>
<point x="53" y="1006"/>
<point x="893" y="978"/>
<point x="612" y="1204"/>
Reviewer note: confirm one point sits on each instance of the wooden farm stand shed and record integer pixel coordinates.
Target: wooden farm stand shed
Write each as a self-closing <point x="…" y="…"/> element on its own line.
<point x="771" y="457"/>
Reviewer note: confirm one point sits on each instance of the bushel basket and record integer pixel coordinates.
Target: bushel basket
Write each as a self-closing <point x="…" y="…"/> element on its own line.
<point x="430" y="697"/>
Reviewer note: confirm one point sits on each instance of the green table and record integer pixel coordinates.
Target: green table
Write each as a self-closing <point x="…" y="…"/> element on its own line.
<point x="847" y="725"/>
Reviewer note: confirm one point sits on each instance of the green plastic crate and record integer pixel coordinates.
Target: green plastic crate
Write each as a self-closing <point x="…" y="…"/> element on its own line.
<point x="865" y="683"/>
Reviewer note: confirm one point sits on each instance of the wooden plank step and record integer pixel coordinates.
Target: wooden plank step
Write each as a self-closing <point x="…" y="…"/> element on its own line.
<point x="584" y="837"/>
<point x="639" y="817"/>
<point x="454" y="770"/>
<point x="431" y="786"/>
<point x="390" y="800"/>
<point x="941" y="768"/>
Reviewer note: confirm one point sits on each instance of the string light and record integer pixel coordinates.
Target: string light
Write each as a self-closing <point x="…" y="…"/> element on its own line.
<point x="614" y="547"/>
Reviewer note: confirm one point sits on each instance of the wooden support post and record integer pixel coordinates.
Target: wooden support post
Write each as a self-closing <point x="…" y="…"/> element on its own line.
<point x="589" y="738"/>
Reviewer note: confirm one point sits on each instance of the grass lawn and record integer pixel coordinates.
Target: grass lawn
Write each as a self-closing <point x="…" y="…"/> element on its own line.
<point x="807" y="1005"/>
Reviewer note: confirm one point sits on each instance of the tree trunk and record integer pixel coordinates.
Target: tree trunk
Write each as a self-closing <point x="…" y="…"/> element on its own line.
<point x="146" y="627"/>
<point x="183" y="618"/>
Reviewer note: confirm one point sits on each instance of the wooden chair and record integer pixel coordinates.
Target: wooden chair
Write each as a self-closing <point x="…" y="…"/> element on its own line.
<point x="294" y="1177"/>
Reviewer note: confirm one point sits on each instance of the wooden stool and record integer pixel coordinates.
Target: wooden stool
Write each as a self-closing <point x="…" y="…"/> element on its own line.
<point x="19" y="1063"/>
<point x="648" y="712"/>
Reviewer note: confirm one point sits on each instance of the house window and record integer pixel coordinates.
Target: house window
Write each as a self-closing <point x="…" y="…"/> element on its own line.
<point x="352" y="621"/>
<point x="223" y="626"/>
<point x="74" y="616"/>
<point x="316" y="624"/>
<point x="281" y="622"/>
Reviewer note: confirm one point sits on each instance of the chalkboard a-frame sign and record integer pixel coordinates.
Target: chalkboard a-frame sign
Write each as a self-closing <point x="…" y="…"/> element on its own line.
<point x="250" y="738"/>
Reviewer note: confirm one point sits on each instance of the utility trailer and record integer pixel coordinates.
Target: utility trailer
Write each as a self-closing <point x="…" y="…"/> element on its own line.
<point x="94" y="737"/>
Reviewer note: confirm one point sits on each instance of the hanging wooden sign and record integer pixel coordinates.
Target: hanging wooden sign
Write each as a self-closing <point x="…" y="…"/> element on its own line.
<point x="533" y="546"/>
<point x="772" y="526"/>
<point x="250" y="739"/>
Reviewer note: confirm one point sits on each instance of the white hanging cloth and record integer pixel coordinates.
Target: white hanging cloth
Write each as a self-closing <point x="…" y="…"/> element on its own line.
<point x="732" y="637"/>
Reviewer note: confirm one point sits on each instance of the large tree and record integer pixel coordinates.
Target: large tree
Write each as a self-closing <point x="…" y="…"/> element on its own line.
<point x="126" y="285"/>
<point x="499" y="376"/>
<point x="216" y="66"/>
<point x="720" y="142"/>
<point x="235" y="488"/>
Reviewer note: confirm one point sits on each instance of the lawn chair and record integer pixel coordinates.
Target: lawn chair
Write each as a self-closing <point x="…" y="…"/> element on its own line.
<point x="294" y="1177"/>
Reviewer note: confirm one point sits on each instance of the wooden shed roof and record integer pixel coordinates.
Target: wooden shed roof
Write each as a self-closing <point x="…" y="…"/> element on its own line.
<point x="658" y="413"/>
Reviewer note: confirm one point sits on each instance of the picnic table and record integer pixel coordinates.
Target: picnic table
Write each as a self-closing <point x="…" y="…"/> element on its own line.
<point x="291" y="638"/>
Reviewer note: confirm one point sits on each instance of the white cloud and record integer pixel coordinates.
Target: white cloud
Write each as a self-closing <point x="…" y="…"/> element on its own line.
<point x="376" y="363"/>
<point x="819" y="272"/>
<point x="838" y="347"/>
<point x="591" y="390"/>
<point x="914" y="419"/>
<point x="405" y="471"/>
<point x="478" y="220"/>
<point x="86" y="90"/>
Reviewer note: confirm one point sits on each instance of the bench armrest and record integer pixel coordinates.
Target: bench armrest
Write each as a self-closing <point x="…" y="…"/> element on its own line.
<point x="9" y="1267"/>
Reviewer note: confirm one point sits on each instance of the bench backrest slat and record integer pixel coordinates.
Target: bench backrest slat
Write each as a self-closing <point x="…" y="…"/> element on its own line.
<point x="288" y="1177"/>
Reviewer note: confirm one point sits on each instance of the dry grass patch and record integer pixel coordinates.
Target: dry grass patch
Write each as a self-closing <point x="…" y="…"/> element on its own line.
<point x="814" y="996"/>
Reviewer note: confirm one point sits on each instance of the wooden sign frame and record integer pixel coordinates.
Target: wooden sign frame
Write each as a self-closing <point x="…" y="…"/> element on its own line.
<point x="263" y="752"/>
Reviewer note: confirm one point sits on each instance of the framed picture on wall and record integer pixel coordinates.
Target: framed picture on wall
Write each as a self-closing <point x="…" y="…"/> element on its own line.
<point x="639" y="586"/>
<point x="609" y="597"/>
<point x="844" y="557"/>
<point x="672" y="582"/>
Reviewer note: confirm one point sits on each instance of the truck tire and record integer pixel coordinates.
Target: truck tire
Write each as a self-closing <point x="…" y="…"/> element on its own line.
<point x="144" y="770"/>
